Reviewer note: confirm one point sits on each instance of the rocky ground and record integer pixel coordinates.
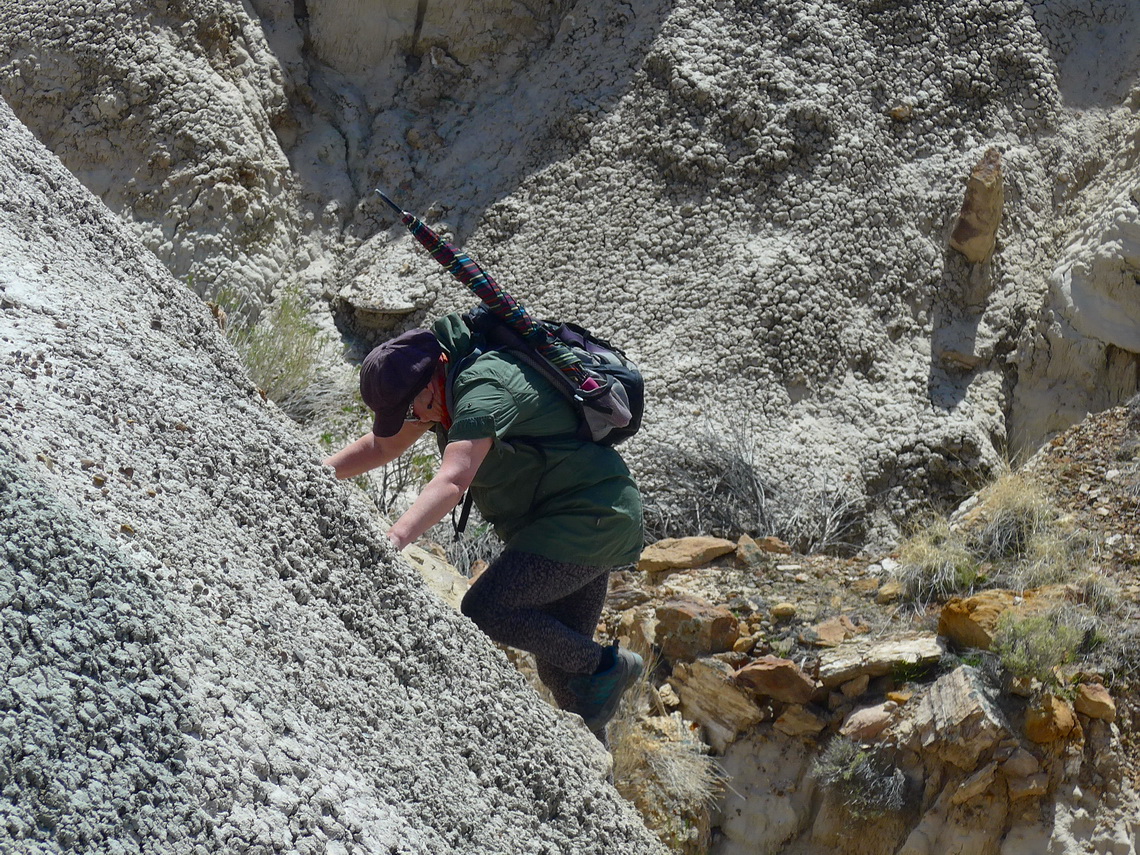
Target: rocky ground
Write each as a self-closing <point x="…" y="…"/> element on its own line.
<point x="788" y="624"/>
<point x="803" y="608"/>
<point x="1092" y="473"/>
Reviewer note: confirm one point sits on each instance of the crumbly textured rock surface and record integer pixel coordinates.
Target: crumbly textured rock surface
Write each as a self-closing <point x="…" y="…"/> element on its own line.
<point x="169" y="113"/>
<point x="756" y="200"/>
<point x="208" y="645"/>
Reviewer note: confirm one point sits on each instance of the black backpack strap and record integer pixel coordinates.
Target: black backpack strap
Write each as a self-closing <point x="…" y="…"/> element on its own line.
<point x="464" y="513"/>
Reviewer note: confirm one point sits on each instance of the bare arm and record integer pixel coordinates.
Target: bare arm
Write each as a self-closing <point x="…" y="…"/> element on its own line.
<point x="371" y="451"/>
<point x="461" y="460"/>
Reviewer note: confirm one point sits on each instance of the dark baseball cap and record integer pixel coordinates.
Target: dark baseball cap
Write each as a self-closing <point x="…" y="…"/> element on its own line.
<point x="394" y="373"/>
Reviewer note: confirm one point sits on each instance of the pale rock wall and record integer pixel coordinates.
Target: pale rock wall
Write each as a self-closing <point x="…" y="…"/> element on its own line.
<point x="167" y="112"/>
<point x="208" y="643"/>
<point x="1084" y="355"/>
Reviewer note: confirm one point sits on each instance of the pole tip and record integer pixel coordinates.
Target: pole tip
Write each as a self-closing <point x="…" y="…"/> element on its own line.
<point x="393" y="205"/>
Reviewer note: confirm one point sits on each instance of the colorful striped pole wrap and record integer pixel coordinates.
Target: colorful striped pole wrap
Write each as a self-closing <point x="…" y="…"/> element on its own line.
<point x="505" y="307"/>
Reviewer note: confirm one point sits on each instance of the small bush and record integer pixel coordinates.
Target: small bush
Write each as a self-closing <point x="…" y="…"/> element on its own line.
<point x="1038" y="646"/>
<point x="866" y="783"/>
<point x="478" y="543"/>
<point x="935" y="563"/>
<point x="823" y="517"/>
<point x="282" y="352"/>
<point x="1016" y="514"/>
<point x="719" y="490"/>
<point x="716" y="491"/>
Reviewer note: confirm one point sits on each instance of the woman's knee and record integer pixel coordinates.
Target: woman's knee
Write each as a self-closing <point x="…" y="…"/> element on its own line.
<point x="471" y="605"/>
<point x="479" y="607"/>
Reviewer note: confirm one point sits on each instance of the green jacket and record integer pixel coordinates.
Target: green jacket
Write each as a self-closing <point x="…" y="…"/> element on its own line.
<point x="544" y="490"/>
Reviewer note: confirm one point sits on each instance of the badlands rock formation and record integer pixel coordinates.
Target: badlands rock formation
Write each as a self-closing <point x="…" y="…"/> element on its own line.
<point x="757" y="198"/>
<point x="208" y="645"/>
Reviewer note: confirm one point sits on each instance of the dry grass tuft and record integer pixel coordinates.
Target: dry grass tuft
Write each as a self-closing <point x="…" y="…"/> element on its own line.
<point x="1049" y="560"/>
<point x="1023" y="535"/>
<point x="1013" y="538"/>
<point x="663" y="770"/>
<point x="866" y="783"/>
<point x="719" y="489"/>
<point x="935" y="563"/>
<point x="716" y="490"/>
<point x="1020" y="529"/>
<point x="477" y="543"/>
<point x="1015" y="512"/>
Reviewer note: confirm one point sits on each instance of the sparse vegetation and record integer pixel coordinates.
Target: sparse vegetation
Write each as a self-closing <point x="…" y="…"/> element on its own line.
<point x="935" y="563"/>
<point x="1016" y="514"/>
<point x="478" y="543"/>
<point x="818" y="518"/>
<point x="395" y="484"/>
<point x="1022" y="535"/>
<point x="664" y="771"/>
<point x="1039" y="646"/>
<point x="1099" y="595"/>
<point x="1014" y="538"/>
<point x="1118" y="656"/>
<point x="719" y="491"/>
<point x="866" y="783"/>
<point x="281" y="349"/>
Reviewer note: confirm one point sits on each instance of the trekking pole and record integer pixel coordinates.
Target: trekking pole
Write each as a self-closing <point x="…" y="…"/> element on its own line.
<point x="502" y="304"/>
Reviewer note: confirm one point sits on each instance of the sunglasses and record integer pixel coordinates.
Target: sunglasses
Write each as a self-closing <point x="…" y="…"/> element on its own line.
<point x="411" y="416"/>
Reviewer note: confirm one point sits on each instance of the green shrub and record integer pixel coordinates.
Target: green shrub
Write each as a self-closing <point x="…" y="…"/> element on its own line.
<point x="282" y="351"/>
<point x="866" y="783"/>
<point x="1038" y="646"/>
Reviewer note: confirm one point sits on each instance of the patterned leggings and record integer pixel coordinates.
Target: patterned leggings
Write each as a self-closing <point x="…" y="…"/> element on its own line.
<point x="546" y="608"/>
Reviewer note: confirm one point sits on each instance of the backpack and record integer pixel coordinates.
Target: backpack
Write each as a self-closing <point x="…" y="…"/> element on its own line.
<point x="618" y="377"/>
<point x="608" y="365"/>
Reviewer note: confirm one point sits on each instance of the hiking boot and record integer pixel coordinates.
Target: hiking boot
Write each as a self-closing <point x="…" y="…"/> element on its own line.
<point x="597" y="695"/>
